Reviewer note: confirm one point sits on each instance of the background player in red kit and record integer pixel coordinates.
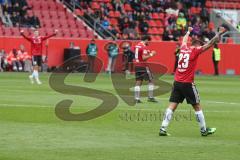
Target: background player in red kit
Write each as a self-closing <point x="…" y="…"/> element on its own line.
<point x="36" y="51"/>
<point x="184" y="87"/>
<point x="142" y="71"/>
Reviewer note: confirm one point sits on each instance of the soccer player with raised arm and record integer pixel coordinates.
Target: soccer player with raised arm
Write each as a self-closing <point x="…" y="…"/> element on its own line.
<point x="184" y="87"/>
<point x="36" y="52"/>
<point x="142" y="71"/>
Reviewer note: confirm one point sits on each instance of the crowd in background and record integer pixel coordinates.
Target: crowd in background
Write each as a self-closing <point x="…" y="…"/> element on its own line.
<point x="13" y="13"/>
<point x="132" y="24"/>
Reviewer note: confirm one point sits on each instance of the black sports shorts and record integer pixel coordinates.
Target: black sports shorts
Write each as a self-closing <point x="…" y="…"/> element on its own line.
<point x="183" y="91"/>
<point x="143" y="73"/>
<point x="37" y="60"/>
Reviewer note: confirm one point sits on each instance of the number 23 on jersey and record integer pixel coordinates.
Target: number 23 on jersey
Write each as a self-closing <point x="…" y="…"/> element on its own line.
<point x="183" y="61"/>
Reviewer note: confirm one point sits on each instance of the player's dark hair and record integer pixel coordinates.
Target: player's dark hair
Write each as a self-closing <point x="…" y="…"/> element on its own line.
<point x="196" y="41"/>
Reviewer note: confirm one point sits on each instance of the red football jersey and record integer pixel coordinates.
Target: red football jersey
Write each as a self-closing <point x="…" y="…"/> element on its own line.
<point x="140" y="50"/>
<point x="36" y="44"/>
<point x="187" y="63"/>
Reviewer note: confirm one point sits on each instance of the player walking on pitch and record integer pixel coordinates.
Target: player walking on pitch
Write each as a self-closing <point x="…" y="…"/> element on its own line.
<point x="142" y="71"/>
<point x="184" y="87"/>
<point x="36" y="51"/>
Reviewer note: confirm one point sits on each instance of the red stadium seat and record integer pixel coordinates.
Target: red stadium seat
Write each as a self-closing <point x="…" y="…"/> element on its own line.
<point x="230" y="41"/>
<point x="44" y="6"/>
<point x="111" y="14"/>
<point x="128" y="7"/>
<point x="160" y="31"/>
<point x="79" y="12"/>
<point x="95" y="5"/>
<point x="56" y="24"/>
<point x="152" y="23"/>
<point x="161" y="16"/>
<point x="114" y="21"/>
<point x="117" y="14"/>
<point x="52" y="6"/>
<point x="153" y="31"/>
<point x="75" y="33"/>
<point x="155" y="16"/>
<point x="159" y="23"/>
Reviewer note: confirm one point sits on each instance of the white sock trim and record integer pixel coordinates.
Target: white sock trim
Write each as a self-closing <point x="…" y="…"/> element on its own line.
<point x="167" y="118"/>
<point x="137" y="89"/>
<point x="201" y="120"/>
<point x="150" y="87"/>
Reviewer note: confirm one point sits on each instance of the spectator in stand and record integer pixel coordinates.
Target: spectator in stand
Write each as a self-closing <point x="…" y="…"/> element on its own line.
<point x="117" y="5"/>
<point x="25" y="21"/>
<point x="143" y="27"/>
<point x="15" y="19"/>
<point x="167" y="35"/>
<point x="204" y="15"/>
<point x="105" y="23"/>
<point x="170" y="21"/>
<point x="113" y="30"/>
<point x="136" y="5"/>
<point x="2" y="60"/>
<point x="176" y="34"/>
<point x="135" y="15"/>
<point x="124" y="23"/>
<point x="16" y="8"/>
<point x="34" y="21"/>
<point x="6" y="19"/>
<point x="7" y="7"/>
<point x="14" y="61"/>
<point x="113" y="51"/>
<point x="91" y="51"/>
<point x="196" y="32"/>
<point x="181" y="22"/>
<point x="208" y="34"/>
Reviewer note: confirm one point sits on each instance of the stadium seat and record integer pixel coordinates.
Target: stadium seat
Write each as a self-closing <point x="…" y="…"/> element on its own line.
<point x="159" y="23"/>
<point x="230" y="41"/>
<point x="128" y="7"/>
<point x="152" y="23"/>
<point x="79" y="12"/>
<point x="155" y="16"/>
<point x="113" y="21"/>
<point x="117" y="14"/>
<point x="95" y="5"/>
<point x="111" y="14"/>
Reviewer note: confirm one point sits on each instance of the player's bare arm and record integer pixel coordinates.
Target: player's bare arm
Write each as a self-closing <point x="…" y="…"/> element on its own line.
<point x="52" y="35"/>
<point x="151" y="54"/>
<point x="185" y="38"/>
<point x="24" y="36"/>
<point x="214" y="39"/>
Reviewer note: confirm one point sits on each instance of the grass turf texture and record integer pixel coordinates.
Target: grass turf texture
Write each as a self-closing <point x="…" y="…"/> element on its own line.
<point x="29" y="129"/>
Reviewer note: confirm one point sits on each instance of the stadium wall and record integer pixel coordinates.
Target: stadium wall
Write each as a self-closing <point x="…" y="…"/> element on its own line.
<point x="165" y="53"/>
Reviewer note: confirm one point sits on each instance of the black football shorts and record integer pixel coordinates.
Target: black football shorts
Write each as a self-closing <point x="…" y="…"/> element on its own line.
<point x="181" y="91"/>
<point x="37" y="61"/>
<point x="143" y="73"/>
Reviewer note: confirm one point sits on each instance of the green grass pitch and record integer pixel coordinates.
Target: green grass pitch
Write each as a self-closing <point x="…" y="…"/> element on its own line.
<point x="29" y="129"/>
